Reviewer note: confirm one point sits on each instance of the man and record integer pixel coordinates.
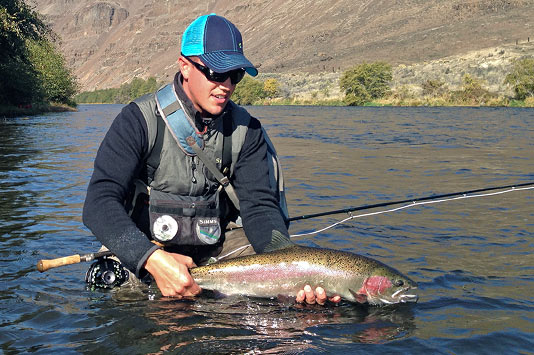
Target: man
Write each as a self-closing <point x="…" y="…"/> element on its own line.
<point x="144" y="160"/>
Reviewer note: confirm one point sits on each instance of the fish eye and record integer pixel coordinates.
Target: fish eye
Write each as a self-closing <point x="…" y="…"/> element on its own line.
<point x="399" y="283"/>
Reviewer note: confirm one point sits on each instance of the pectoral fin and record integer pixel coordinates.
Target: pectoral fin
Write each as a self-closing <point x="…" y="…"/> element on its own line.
<point x="360" y="298"/>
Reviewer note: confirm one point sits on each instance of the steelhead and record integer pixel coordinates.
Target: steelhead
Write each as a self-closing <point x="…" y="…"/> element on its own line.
<point x="284" y="272"/>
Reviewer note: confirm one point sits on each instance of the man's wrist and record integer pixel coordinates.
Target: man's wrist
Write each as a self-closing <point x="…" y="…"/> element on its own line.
<point x="143" y="261"/>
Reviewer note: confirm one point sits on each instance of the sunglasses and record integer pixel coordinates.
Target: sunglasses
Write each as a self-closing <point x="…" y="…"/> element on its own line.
<point x="235" y="75"/>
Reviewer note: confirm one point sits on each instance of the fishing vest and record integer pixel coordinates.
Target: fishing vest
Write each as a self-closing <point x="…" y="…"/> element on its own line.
<point x="176" y="167"/>
<point x="179" y="181"/>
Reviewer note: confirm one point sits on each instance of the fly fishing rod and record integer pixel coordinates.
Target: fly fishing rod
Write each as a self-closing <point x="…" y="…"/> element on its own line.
<point x="414" y="200"/>
<point x="44" y="265"/>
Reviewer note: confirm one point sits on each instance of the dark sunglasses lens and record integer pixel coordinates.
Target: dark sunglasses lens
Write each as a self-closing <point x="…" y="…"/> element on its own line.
<point x="237" y="75"/>
<point x="218" y="77"/>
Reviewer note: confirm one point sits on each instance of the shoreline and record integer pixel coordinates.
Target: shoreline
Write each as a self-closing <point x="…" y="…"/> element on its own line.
<point x="7" y="111"/>
<point x="412" y="102"/>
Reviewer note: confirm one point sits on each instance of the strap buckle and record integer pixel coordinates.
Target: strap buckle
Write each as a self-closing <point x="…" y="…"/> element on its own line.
<point x="224" y="181"/>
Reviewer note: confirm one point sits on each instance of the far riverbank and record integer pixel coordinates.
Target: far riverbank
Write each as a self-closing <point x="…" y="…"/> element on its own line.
<point x="7" y="111"/>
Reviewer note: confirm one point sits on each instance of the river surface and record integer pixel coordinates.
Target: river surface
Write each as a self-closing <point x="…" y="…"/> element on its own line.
<point x="472" y="258"/>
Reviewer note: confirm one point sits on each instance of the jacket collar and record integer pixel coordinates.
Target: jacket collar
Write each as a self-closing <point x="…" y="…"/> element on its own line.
<point x="190" y="109"/>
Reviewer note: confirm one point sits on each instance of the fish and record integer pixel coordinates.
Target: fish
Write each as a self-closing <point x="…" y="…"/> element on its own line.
<point x="356" y="278"/>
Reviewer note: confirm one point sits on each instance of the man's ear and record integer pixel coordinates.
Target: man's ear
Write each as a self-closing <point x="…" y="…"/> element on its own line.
<point x="184" y="66"/>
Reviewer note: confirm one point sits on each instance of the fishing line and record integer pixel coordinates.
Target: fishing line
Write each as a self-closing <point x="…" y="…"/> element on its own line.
<point x="426" y="198"/>
<point x="415" y="202"/>
<point x="412" y="204"/>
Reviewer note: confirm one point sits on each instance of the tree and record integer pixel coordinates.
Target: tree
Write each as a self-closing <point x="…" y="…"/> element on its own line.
<point x="31" y="70"/>
<point x="58" y="83"/>
<point x="356" y="94"/>
<point x="365" y="82"/>
<point x="249" y="91"/>
<point x="19" y="83"/>
<point x="521" y="78"/>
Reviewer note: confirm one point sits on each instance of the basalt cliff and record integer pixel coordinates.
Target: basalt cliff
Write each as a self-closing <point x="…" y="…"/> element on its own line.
<point x="107" y="43"/>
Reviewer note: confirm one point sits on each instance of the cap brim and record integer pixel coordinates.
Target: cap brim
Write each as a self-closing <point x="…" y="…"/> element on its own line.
<point x="222" y="62"/>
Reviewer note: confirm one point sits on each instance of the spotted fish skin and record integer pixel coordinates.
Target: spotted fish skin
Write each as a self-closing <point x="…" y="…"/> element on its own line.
<point x="284" y="272"/>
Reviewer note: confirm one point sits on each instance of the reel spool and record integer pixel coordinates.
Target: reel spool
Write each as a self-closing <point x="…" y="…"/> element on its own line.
<point x="106" y="273"/>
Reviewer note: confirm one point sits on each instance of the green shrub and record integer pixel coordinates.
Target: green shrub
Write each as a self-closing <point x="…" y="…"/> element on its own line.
<point x="472" y="93"/>
<point x="434" y="88"/>
<point x="122" y="95"/>
<point x="521" y="78"/>
<point x="104" y="96"/>
<point x="357" y="95"/>
<point x="271" y="87"/>
<point x="249" y="91"/>
<point x="365" y="82"/>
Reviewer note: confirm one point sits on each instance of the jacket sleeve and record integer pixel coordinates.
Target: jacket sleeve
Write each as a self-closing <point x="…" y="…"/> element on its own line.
<point x="118" y="161"/>
<point x="258" y="203"/>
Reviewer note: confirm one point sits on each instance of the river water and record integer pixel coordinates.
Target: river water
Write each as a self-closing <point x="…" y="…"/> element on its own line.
<point x="472" y="258"/>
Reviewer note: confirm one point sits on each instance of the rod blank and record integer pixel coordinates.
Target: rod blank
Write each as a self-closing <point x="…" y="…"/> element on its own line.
<point x="427" y="198"/>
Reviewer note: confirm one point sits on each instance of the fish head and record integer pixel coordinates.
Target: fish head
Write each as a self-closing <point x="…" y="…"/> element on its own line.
<point x="385" y="286"/>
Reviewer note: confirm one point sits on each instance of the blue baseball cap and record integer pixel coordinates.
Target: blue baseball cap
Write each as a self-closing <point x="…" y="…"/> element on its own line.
<point x="218" y="43"/>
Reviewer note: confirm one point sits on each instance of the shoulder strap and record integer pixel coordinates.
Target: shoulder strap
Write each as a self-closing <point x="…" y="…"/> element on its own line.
<point x="179" y="123"/>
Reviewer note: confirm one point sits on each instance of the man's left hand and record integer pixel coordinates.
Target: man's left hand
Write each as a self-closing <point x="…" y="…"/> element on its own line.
<point x="319" y="296"/>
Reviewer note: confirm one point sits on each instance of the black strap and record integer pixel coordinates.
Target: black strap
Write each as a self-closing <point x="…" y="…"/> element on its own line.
<point x="223" y="180"/>
<point x="153" y="159"/>
<point x="227" y="144"/>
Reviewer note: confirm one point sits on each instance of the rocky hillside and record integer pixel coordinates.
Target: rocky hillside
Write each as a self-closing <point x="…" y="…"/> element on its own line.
<point x="490" y="65"/>
<point x="110" y="42"/>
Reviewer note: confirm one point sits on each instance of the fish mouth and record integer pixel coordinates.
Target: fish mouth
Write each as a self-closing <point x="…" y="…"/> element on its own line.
<point x="399" y="296"/>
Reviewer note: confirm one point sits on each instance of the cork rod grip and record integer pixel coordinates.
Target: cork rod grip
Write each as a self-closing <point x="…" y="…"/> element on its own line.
<point x="44" y="265"/>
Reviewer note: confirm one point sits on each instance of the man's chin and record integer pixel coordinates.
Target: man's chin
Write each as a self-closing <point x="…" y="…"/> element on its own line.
<point x="215" y="110"/>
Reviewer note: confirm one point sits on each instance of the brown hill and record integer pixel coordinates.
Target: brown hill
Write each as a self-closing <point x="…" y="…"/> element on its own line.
<point x="110" y="42"/>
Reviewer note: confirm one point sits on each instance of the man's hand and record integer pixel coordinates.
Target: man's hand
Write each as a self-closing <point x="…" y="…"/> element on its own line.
<point x="171" y="273"/>
<point x="319" y="296"/>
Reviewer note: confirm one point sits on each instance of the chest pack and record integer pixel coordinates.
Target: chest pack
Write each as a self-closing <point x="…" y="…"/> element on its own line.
<point x="195" y="220"/>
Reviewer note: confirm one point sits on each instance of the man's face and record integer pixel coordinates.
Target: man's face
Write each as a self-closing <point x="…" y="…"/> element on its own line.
<point x="208" y="97"/>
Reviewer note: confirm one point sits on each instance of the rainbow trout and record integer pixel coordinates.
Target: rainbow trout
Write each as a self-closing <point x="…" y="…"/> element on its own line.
<point x="284" y="272"/>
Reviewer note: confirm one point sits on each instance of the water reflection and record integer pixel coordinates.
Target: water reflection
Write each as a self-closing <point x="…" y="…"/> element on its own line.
<point x="238" y="325"/>
<point x="16" y="196"/>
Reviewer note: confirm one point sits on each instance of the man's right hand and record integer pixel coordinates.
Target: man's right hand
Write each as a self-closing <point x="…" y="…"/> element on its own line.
<point x="171" y="273"/>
